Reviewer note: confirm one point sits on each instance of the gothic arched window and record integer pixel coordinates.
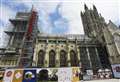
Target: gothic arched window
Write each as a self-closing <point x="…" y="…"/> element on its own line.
<point x="41" y="56"/>
<point x="52" y="58"/>
<point x="63" y="58"/>
<point x="117" y="40"/>
<point x="73" y="58"/>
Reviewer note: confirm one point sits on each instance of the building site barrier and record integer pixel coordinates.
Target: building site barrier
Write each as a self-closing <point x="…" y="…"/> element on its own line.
<point x="65" y="74"/>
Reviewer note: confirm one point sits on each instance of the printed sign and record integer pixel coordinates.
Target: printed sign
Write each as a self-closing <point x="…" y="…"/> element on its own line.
<point x="75" y="74"/>
<point x="42" y="75"/>
<point x="64" y="74"/>
<point x="89" y="72"/>
<point x="8" y="76"/>
<point x="18" y="75"/>
<point x="1" y="76"/>
<point x="47" y="75"/>
<point x="116" y="70"/>
<point x="29" y="76"/>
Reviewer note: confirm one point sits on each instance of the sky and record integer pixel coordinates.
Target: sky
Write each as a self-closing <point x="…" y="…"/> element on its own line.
<point x="57" y="16"/>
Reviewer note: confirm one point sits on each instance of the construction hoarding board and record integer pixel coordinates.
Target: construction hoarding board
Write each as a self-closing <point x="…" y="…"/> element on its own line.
<point x="116" y="70"/>
<point x="8" y="76"/>
<point x="29" y="75"/>
<point x="18" y="75"/>
<point x="76" y="74"/>
<point x="1" y="76"/>
<point x="66" y="74"/>
<point x="47" y="75"/>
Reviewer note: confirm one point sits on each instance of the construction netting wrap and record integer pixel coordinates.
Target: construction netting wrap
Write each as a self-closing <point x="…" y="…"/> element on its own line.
<point x="67" y="74"/>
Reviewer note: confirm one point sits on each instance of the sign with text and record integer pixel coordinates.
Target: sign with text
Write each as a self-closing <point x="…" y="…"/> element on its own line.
<point x="64" y="74"/>
<point x="1" y="76"/>
<point x="18" y="75"/>
<point x="116" y="70"/>
<point x="8" y="76"/>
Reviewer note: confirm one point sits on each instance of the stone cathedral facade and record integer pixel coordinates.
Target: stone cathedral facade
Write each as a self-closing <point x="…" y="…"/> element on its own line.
<point x="98" y="48"/>
<point x="69" y="51"/>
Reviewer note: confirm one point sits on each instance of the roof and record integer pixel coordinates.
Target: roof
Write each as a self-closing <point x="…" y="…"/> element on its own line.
<point x="66" y="36"/>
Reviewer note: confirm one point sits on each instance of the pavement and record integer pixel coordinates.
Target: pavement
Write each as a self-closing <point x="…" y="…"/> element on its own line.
<point x="105" y="80"/>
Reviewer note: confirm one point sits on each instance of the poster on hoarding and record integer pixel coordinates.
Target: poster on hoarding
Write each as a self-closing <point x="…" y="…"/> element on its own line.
<point x="64" y="74"/>
<point x="47" y="75"/>
<point x="75" y="74"/>
<point x="1" y="76"/>
<point x="8" y="76"/>
<point x="18" y="75"/>
<point x="29" y="75"/>
<point x="89" y="72"/>
<point x="116" y="70"/>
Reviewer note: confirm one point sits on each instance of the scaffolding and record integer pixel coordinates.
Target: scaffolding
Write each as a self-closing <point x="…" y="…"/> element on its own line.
<point x="26" y="56"/>
<point x="21" y="40"/>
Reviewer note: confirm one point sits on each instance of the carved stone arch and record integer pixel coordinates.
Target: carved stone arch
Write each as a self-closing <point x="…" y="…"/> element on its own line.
<point x="116" y="37"/>
<point x="116" y="34"/>
<point x="52" y="57"/>
<point x="63" y="58"/>
<point x="73" y="58"/>
<point x="41" y="57"/>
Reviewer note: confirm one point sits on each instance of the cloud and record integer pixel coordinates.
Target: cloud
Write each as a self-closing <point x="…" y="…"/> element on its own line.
<point x="65" y="19"/>
<point x="44" y="22"/>
<point x="59" y="23"/>
<point x="6" y="13"/>
<point x="69" y="10"/>
<point x="119" y="11"/>
<point x="108" y="9"/>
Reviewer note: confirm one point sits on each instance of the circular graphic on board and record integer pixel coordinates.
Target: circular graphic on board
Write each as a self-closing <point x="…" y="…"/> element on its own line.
<point x="18" y="75"/>
<point x="9" y="73"/>
<point x="29" y="75"/>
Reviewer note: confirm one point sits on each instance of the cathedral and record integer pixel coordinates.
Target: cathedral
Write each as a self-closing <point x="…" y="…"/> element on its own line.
<point x="98" y="48"/>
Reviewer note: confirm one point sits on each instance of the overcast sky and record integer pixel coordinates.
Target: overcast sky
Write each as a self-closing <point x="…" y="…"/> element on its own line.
<point x="58" y="16"/>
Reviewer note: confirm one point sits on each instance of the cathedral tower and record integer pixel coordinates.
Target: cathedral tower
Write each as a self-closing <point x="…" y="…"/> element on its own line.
<point x="93" y="23"/>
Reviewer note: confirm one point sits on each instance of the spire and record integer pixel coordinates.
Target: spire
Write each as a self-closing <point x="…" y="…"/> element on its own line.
<point x="94" y="8"/>
<point x="85" y="7"/>
<point x="81" y="13"/>
<point x="33" y="8"/>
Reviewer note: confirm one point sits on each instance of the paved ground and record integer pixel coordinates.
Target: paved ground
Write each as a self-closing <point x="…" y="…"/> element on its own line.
<point x="107" y="80"/>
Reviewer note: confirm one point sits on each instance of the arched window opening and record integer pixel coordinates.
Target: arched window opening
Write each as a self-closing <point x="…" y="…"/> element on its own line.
<point x="63" y="58"/>
<point x="41" y="57"/>
<point x="117" y="40"/>
<point x="52" y="58"/>
<point x="73" y="58"/>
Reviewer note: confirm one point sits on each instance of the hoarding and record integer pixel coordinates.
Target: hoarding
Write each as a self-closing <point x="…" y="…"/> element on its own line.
<point x="1" y="76"/>
<point x="64" y="74"/>
<point x="8" y="76"/>
<point x="116" y="70"/>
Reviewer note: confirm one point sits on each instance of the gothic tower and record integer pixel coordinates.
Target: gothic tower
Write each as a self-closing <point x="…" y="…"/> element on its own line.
<point x="94" y="25"/>
<point x="93" y="22"/>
